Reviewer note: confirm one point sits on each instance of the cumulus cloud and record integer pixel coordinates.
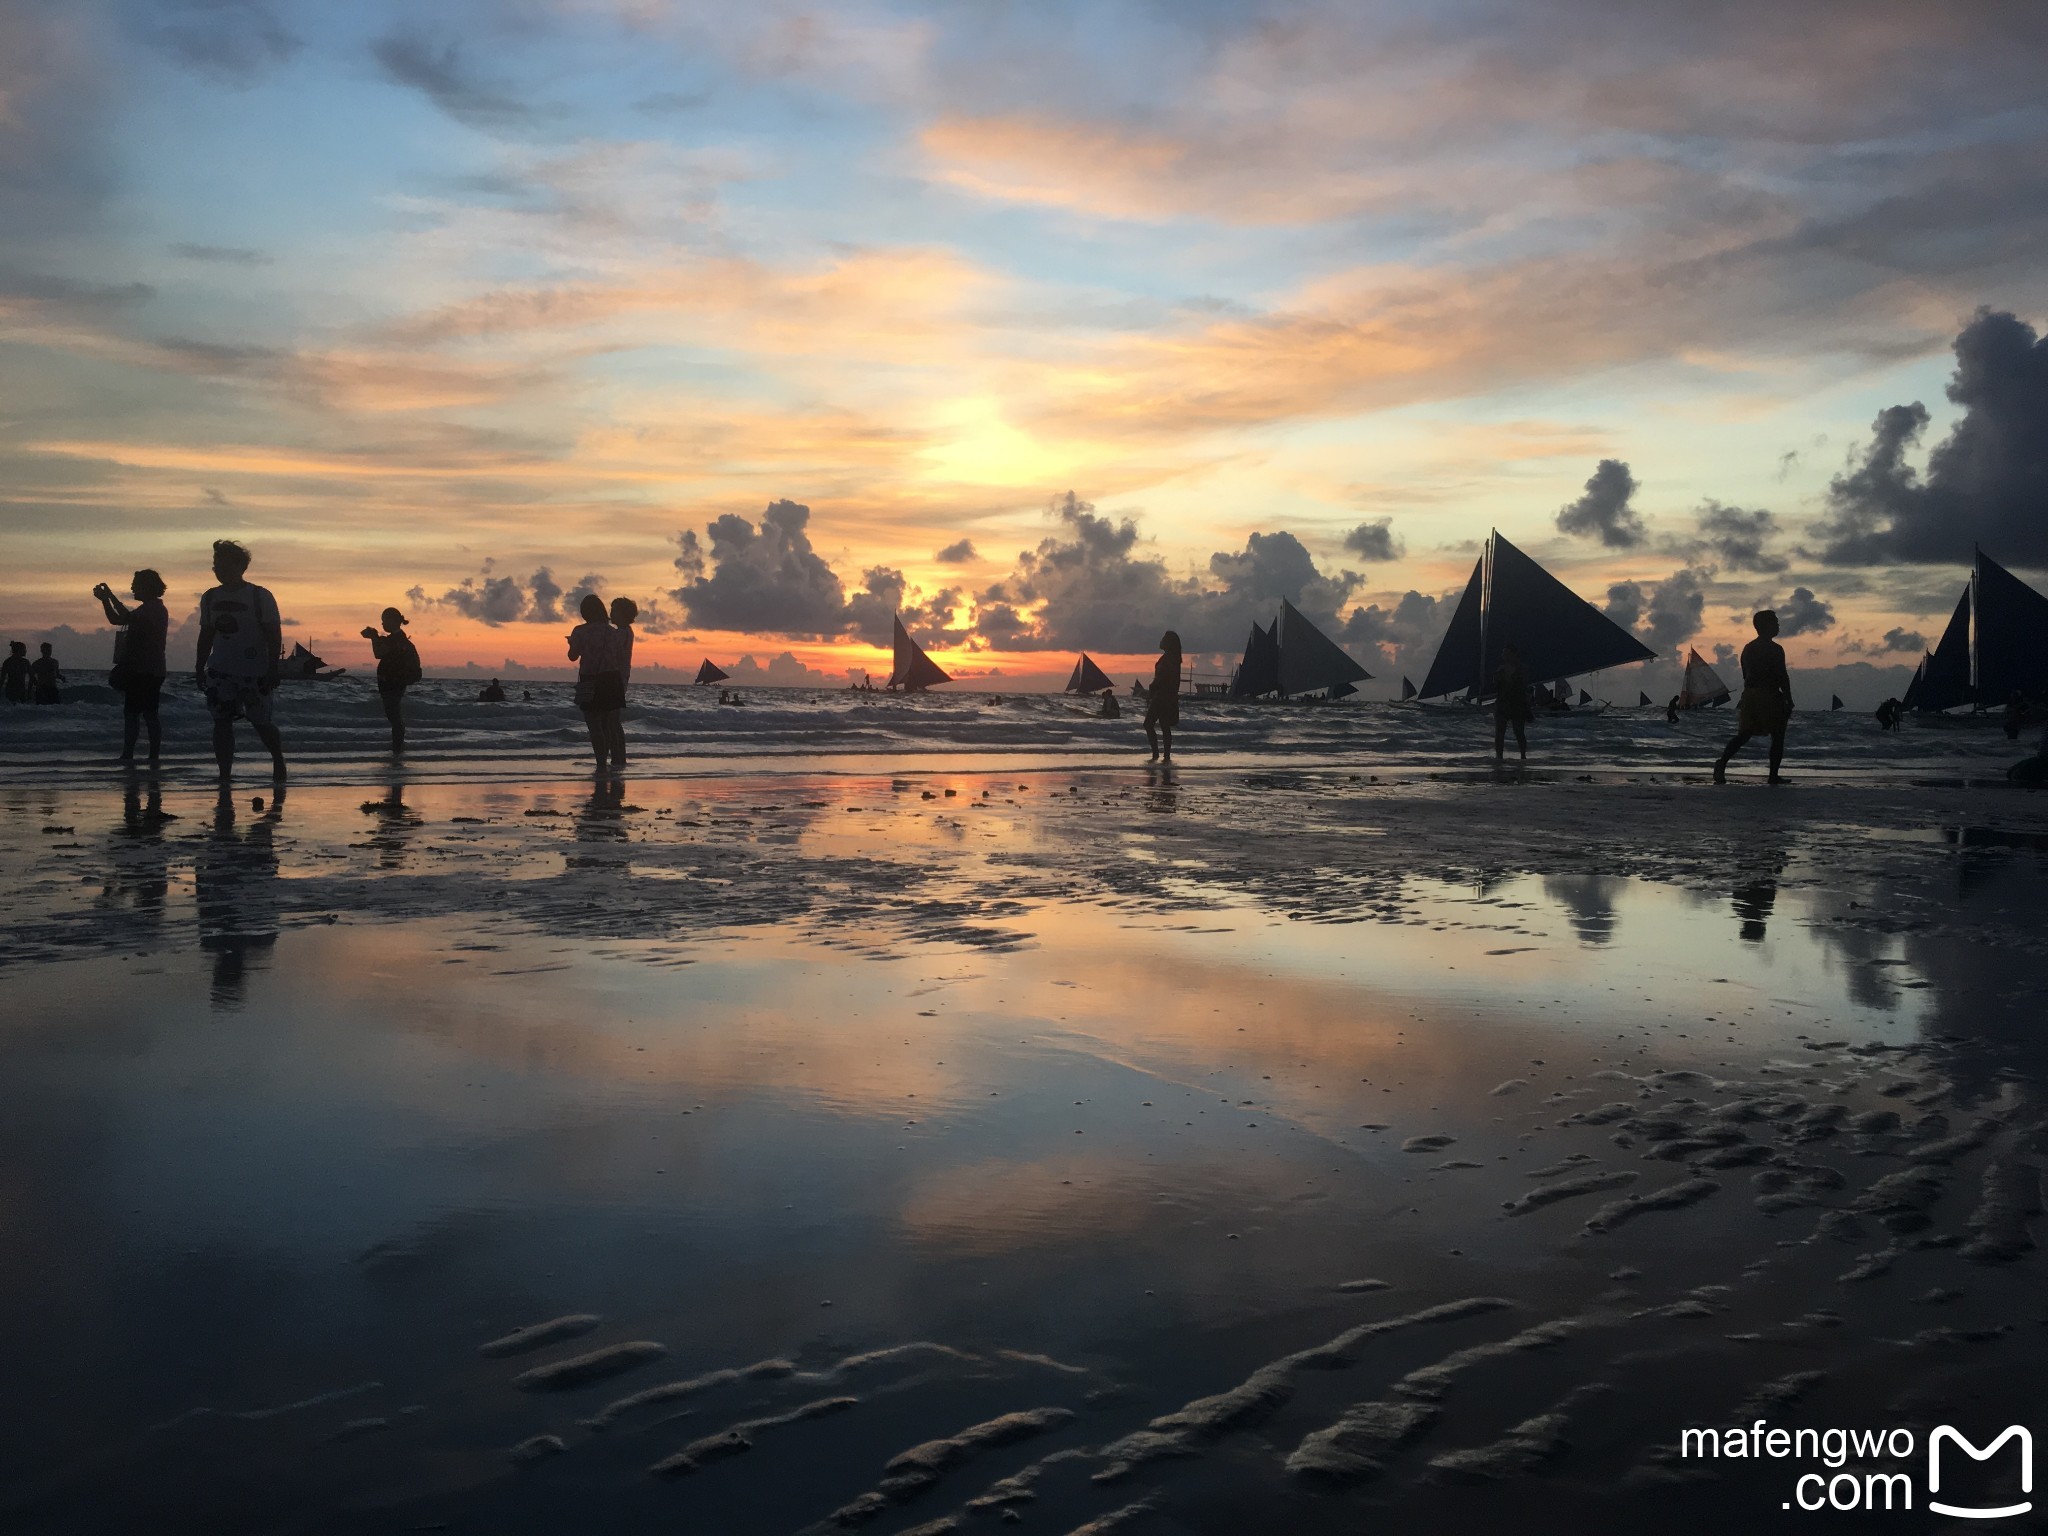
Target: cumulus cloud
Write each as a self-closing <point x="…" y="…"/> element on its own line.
<point x="1985" y="483"/>
<point x="1736" y="537"/>
<point x="783" y="671"/>
<point x="1374" y="541"/>
<point x="1604" y="511"/>
<point x="1402" y="639"/>
<point x="1896" y="640"/>
<point x="957" y="554"/>
<point x="1802" y="613"/>
<point x="493" y="599"/>
<point x="769" y="580"/>
<point x="1666" y="613"/>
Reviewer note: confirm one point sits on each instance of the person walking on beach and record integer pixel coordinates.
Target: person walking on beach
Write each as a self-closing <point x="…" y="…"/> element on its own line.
<point x="14" y="673"/>
<point x="240" y="636"/>
<point x="139" y="662"/>
<point x="1766" y="705"/>
<point x="398" y="668"/>
<point x="593" y="646"/>
<point x="43" y="677"/>
<point x="1510" y="704"/>
<point x="623" y="612"/>
<point x="1162" y="699"/>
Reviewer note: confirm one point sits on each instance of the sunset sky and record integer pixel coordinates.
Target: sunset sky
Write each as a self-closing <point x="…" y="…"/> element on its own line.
<point x="467" y="307"/>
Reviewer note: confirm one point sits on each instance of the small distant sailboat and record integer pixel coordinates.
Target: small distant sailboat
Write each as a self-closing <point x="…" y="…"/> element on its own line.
<point x="711" y="674"/>
<point x="1511" y="600"/>
<point x="914" y="671"/>
<point x="1088" y="677"/>
<point x="1643" y="700"/>
<point x="1834" y="701"/>
<point x="1702" y="685"/>
<point x="1292" y="658"/>
<point x="1585" y="698"/>
<point x="1996" y="645"/>
<point x="1407" y="690"/>
<point x="305" y="667"/>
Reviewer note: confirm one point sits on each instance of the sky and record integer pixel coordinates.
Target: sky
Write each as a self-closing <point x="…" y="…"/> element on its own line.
<point x="1044" y="325"/>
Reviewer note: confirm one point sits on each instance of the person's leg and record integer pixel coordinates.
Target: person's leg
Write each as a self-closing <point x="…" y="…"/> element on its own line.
<point x="1522" y="740"/>
<point x="1166" y="735"/>
<point x="1151" y="733"/>
<point x="1500" y="738"/>
<point x="1777" y="751"/>
<point x="274" y="744"/>
<point x="394" y="712"/>
<point x="224" y="747"/>
<point x="593" y="722"/>
<point x="153" y="722"/>
<point x="615" y="737"/>
<point x="1735" y="745"/>
<point x="131" y="726"/>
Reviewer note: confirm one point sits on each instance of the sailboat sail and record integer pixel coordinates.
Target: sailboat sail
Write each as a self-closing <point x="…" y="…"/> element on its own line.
<point x="1945" y="677"/>
<point x="1511" y="600"/>
<point x="1643" y="700"/>
<point x="710" y="674"/>
<point x="2011" y="653"/>
<point x="914" y="671"/>
<point x="1259" y="672"/>
<point x="1585" y="698"/>
<point x="1088" y="677"/>
<point x="1407" y="690"/>
<point x="1834" y="701"/>
<point x="1310" y="661"/>
<point x="1913" y="689"/>
<point x="1702" y="685"/>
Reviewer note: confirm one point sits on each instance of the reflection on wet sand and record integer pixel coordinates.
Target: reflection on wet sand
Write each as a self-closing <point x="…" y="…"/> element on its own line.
<point x="234" y="881"/>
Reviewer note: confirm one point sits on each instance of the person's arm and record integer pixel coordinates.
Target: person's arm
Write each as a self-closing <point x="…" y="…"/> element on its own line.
<point x="111" y="605"/>
<point x="576" y="643"/>
<point x="268" y="620"/>
<point x="1784" y="675"/>
<point x="205" y="638"/>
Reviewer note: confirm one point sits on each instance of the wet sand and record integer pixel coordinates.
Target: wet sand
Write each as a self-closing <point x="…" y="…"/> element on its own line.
<point x="1197" y="1151"/>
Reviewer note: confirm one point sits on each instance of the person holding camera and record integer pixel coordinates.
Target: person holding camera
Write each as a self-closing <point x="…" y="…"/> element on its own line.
<point x="139" y="663"/>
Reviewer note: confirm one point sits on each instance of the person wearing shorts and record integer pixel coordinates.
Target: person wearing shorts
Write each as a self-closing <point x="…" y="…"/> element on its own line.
<point x="1766" y="705"/>
<point x="1162" y="699"/>
<point x="139" y="662"/>
<point x="398" y="668"/>
<point x="240" y="636"/>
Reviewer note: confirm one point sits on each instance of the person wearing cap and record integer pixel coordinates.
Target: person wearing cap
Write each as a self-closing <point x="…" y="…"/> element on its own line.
<point x="398" y="668"/>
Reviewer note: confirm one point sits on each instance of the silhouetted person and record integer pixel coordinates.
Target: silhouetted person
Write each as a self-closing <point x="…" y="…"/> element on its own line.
<point x="1162" y="699"/>
<point x="14" y="673"/>
<point x="139" y="662"/>
<point x="43" y="677"/>
<point x="398" y="668"/>
<point x="240" y="636"/>
<point x="599" y="691"/>
<point x="1766" y="707"/>
<point x="1111" y="710"/>
<point x="1889" y="714"/>
<point x="493" y="693"/>
<point x="1510" y="704"/>
<point x="2015" y="715"/>
<point x="623" y="612"/>
<point x="1671" y="711"/>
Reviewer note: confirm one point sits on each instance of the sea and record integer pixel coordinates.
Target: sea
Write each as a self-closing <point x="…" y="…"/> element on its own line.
<point x="334" y="731"/>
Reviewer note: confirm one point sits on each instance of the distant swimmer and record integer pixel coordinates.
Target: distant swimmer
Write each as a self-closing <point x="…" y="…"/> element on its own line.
<point x="1671" y="711"/>
<point x="398" y="668"/>
<point x="139" y="660"/>
<point x="240" y="636"/>
<point x="1111" y="710"/>
<point x="492" y="694"/>
<point x="600" y="691"/>
<point x="1510" y="704"/>
<point x="2015" y="715"/>
<point x="623" y="612"/>
<point x="1162" y="699"/>
<point x="1766" y="706"/>
<point x="14" y="673"/>
<point x="43" y="677"/>
<point x="1888" y="714"/>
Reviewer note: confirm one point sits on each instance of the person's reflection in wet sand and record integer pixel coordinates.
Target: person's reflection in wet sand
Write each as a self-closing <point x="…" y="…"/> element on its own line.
<point x="396" y="822"/>
<point x="1753" y="905"/>
<point x="600" y="824"/>
<point x="1162" y="788"/>
<point x="141" y="859"/>
<point x="234" y="882"/>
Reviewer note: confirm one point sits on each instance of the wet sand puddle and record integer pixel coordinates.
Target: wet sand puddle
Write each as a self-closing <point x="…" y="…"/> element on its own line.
<point x="819" y="1158"/>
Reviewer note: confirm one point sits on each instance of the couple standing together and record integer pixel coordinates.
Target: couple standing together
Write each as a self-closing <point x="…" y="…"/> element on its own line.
<point x="602" y="648"/>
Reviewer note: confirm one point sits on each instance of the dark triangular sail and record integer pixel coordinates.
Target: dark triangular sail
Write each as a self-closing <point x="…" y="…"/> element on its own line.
<point x="1945" y="676"/>
<point x="1259" y="672"/>
<point x="1556" y="631"/>
<point x="914" y="671"/>
<point x="2012" y="635"/>
<point x="1459" y="659"/>
<point x="1407" y="690"/>
<point x="1585" y="697"/>
<point x="1912" y="698"/>
<point x="1643" y="700"/>
<point x="1087" y="677"/>
<point x="710" y="674"/>
<point x="1310" y="661"/>
<point x="1834" y="701"/>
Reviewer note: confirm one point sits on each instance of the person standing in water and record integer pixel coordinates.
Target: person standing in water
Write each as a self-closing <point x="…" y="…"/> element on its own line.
<point x="139" y="661"/>
<point x="398" y="668"/>
<point x="623" y="612"/>
<point x="1766" y="706"/>
<point x="593" y="646"/>
<point x="43" y="677"/>
<point x="1162" y="699"/>
<point x="14" y="673"/>
<point x="1510" y="704"/>
<point x="240" y="636"/>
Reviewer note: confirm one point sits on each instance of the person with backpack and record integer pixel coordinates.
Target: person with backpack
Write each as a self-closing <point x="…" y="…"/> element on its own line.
<point x="398" y="668"/>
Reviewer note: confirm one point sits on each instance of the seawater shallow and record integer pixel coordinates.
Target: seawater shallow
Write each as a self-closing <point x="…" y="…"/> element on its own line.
<point x="1084" y="1104"/>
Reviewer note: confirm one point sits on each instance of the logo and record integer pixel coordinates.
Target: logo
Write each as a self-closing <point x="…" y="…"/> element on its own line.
<point x="2013" y="1432"/>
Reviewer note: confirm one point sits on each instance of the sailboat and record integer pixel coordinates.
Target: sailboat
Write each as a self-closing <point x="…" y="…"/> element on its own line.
<point x="1292" y="658"/>
<point x="1834" y="701"/>
<point x="1702" y="685"/>
<point x="305" y="667"/>
<point x="1585" y="698"/>
<point x="1995" y="645"/>
<point x="1643" y="700"/>
<point x="1511" y="600"/>
<point x="710" y="674"/>
<point x="914" y="671"/>
<point x="1407" y="690"/>
<point x="1088" y="677"/>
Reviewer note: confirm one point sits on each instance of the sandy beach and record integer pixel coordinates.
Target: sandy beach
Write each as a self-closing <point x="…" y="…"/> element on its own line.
<point x="1189" y="1150"/>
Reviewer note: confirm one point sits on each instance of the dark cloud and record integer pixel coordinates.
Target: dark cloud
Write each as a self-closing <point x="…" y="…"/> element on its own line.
<point x="769" y="580"/>
<point x="1604" y="511"/>
<point x="1374" y="541"/>
<point x="236" y="42"/>
<point x="230" y="255"/>
<point x="1803" y="614"/>
<point x="1666" y="613"/>
<point x="783" y="671"/>
<point x="1398" y="640"/>
<point x="1986" y="482"/>
<point x="1907" y="640"/>
<point x="1736" y="538"/>
<point x="957" y="554"/>
<point x="435" y="68"/>
<point x="492" y="599"/>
